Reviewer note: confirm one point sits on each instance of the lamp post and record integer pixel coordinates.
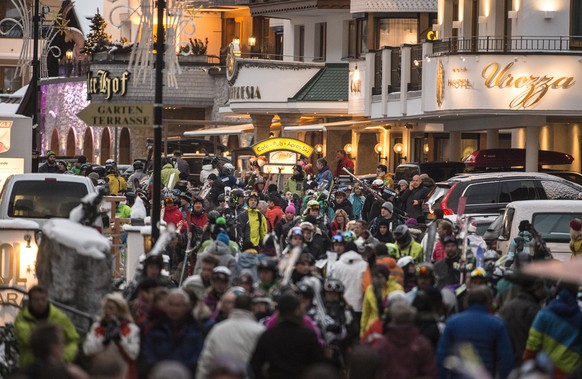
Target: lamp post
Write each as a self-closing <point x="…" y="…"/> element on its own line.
<point x="34" y="79"/>
<point x="158" y="117"/>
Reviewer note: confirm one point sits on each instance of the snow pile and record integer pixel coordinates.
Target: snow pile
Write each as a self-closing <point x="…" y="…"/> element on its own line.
<point x="138" y="210"/>
<point x="85" y="240"/>
<point x="19" y="224"/>
<point x="165" y="237"/>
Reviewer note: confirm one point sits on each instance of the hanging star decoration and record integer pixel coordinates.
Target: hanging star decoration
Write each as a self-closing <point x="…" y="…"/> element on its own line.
<point x="61" y="24"/>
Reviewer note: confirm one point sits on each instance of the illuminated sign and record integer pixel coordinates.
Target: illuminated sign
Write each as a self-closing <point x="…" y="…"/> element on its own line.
<point x="5" y="127"/>
<point x="105" y="85"/>
<point x="459" y="83"/>
<point x="283" y="157"/>
<point x="432" y="35"/>
<point x="440" y="84"/>
<point x="289" y="144"/>
<point x="534" y="87"/>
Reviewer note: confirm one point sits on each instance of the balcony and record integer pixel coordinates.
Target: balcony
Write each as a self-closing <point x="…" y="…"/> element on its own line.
<point x="522" y="45"/>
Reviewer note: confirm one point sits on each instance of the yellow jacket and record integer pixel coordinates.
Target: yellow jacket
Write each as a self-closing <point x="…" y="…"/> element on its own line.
<point x="370" y="307"/>
<point x="116" y="184"/>
<point x="576" y="247"/>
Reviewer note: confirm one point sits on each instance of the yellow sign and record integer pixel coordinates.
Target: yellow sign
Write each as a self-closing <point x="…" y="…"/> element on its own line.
<point x="103" y="84"/>
<point x="534" y="87"/>
<point x="130" y="115"/>
<point x="432" y="35"/>
<point x="289" y="144"/>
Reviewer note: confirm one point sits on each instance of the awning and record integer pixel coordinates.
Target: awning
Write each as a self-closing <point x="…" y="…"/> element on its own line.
<point x="234" y="129"/>
<point x="322" y="127"/>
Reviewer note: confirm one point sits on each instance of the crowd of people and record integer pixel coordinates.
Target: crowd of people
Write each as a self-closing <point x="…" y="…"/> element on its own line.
<point x="317" y="278"/>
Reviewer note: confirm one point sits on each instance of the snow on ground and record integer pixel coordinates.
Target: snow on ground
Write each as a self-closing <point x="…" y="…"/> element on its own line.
<point x="18" y="224"/>
<point x="85" y="240"/>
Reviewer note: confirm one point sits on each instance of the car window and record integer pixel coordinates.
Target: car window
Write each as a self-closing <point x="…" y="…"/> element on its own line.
<point x="560" y="190"/>
<point x="517" y="190"/>
<point x="405" y="172"/>
<point x="554" y="227"/>
<point x="481" y="193"/>
<point x="45" y="199"/>
<point x="507" y="221"/>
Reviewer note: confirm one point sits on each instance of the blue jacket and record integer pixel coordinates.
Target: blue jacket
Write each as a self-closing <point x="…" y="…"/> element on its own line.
<point x="486" y="333"/>
<point x="324" y="175"/>
<point x="231" y="181"/>
<point x="165" y="342"/>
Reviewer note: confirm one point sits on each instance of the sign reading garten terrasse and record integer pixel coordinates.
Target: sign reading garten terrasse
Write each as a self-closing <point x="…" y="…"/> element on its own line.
<point x="289" y="144"/>
<point x="130" y="115"/>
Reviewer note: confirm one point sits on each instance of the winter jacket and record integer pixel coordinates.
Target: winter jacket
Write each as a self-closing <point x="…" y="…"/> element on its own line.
<point x="182" y="166"/>
<point x="486" y="333"/>
<point x="234" y="338"/>
<point x="273" y="215"/>
<point x="116" y="184"/>
<point x="247" y="261"/>
<point x="357" y="204"/>
<point x="350" y="269"/>
<point x="396" y="272"/>
<point x="324" y="175"/>
<point x="413" y="249"/>
<point x="123" y="211"/>
<point x="26" y="323"/>
<point x="345" y="162"/>
<point x="252" y="226"/>
<point x="528" y="239"/>
<point x="216" y="190"/>
<point x="166" y="341"/>
<point x="346" y="206"/>
<point x="231" y="181"/>
<point x="576" y="247"/>
<point x="335" y="229"/>
<point x="406" y="354"/>
<point x="207" y="169"/>
<point x="447" y="271"/>
<point x="172" y="215"/>
<point x="557" y="331"/>
<point x="370" y="311"/>
<point x="417" y="194"/>
<point x="198" y="221"/>
<point x="295" y="186"/>
<point x="127" y="346"/>
<point x="166" y="174"/>
<point x="519" y="314"/>
<point x="288" y="349"/>
<point x="220" y="251"/>
<point x="50" y="169"/>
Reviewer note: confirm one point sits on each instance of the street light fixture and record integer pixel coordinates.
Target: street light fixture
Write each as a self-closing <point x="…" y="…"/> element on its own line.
<point x="348" y="149"/>
<point x="319" y="149"/>
<point x="399" y="149"/>
<point x="379" y="149"/>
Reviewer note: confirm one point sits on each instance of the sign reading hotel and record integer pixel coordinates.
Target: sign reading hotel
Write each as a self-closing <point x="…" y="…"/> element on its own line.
<point x="287" y="144"/>
<point x="105" y="84"/>
<point x="498" y="82"/>
<point x="129" y="115"/>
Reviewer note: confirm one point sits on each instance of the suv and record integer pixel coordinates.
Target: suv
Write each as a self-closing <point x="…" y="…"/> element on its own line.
<point x="438" y="171"/>
<point x="491" y="192"/>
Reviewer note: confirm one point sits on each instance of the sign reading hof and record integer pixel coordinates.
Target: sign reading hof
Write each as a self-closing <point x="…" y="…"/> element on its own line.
<point x="276" y="144"/>
<point x="103" y="84"/>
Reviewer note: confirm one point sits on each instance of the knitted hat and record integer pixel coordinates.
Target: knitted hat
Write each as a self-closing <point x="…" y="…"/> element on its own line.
<point x="576" y="224"/>
<point x="223" y="237"/>
<point x="186" y="196"/>
<point x="49" y="153"/>
<point x="290" y="209"/>
<point x="389" y="206"/>
<point x="402" y="181"/>
<point x="212" y="177"/>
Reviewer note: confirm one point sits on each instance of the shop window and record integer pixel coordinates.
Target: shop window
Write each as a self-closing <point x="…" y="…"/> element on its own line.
<point x="320" y="41"/>
<point x="396" y="31"/>
<point x="10" y="82"/>
<point x="469" y="143"/>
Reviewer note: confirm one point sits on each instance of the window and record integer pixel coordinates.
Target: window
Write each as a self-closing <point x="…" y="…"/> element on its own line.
<point x="299" y="42"/>
<point x="357" y="37"/>
<point x="554" y="227"/>
<point x="320" y="41"/>
<point x="44" y="199"/>
<point x="576" y="21"/>
<point x="483" y="193"/>
<point x="9" y="82"/>
<point x="397" y="31"/>
<point x="558" y="190"/>
<point x="517" y="190"/>
<point x="507" y="221"/>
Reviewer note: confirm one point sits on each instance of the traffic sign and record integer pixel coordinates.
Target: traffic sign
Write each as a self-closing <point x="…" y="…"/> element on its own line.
<point x="129" y="115"/>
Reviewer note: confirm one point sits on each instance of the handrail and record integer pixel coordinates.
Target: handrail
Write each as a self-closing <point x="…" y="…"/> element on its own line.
<point x="506" y="44"/>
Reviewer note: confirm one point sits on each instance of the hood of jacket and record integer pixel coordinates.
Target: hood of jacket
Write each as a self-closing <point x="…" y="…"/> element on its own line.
<point x="565" y="305"/>
<point x="247" y="260"/>
<point x="218" y="248"/>
<point x="207" y="167"/>
<point x="167" y="165"/>
<point x="350" y="257"/>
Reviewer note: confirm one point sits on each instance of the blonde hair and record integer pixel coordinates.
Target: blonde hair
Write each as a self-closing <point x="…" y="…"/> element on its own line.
<point x="122" y="307"/>
<point x="350" y="225"/>
<point x="341" y="212"/>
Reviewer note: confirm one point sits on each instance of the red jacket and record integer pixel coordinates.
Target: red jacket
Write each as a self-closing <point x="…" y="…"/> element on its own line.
<point x="347" y="163"/>
<point x="438" y="252"/>
<point x="172" y="215"/>
<point x="273" y="215"/>
<point x="198" y="221"/>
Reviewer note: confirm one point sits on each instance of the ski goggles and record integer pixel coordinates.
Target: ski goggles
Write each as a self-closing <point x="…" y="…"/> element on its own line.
<point x="337" y="239"/>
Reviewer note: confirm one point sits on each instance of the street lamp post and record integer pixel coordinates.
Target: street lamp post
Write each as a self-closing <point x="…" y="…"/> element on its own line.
<point x="158" y="109"/>
<point x="35" y="75"/>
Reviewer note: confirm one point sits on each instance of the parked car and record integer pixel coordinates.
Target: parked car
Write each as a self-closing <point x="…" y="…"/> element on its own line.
<point x="438" y="171"/>
<point x="550" y="218"/>
<point x="572" y="176"/>
<point x="491" y="192"/>
<point x="480" y="220"/>
<point x="38" y="197"/>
